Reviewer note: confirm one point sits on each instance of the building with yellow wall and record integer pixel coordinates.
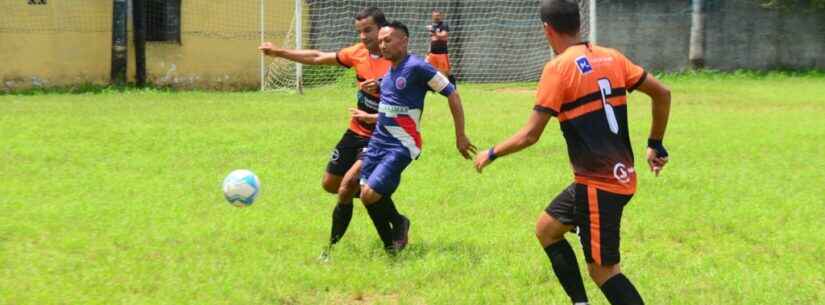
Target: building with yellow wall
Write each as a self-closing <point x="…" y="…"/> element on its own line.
<point x="66" y="43"/>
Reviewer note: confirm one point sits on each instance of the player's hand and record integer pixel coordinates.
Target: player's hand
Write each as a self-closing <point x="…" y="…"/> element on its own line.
<point x="363" y="116"/>
<point x="655" y="162"/>
<point x="370" y="86"/>
<point x="462" y="142"/>
<point x="268" y="49"/>
<point x="482" y="160"/>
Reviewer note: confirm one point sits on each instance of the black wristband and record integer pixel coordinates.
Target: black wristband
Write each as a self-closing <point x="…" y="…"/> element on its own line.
<point x="656" y="145"/>
<point x="491" y="154"/>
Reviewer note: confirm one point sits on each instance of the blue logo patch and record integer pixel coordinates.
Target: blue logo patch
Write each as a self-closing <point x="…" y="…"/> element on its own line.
<point x="584" y="65"/>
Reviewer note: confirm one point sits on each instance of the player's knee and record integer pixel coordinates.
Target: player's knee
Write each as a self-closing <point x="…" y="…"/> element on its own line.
<point x="330" y="185"/>
<point x="600" y="274"/>
<point x="369" y="196"/>
<point x="347" y="189"/>
<point x="548" y="230"/>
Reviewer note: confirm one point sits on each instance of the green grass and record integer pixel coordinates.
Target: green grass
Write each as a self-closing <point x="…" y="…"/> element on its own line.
<point x="113" y="197"/>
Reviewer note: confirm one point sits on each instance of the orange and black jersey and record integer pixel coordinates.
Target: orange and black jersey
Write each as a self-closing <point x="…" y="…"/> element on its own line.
<point x="586" y="88"/>
<point x="439" y="46"/>
<point x="367" y="66"/>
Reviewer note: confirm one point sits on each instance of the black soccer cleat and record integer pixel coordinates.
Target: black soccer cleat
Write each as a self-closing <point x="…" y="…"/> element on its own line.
<point x="401" y="235"/>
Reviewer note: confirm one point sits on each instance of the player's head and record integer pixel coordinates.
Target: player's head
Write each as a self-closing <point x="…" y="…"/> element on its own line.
<point x="438" y="16"/>
<point x="560" y="18"/>
<point x="367" y="23"/>
<point x="393" y="39"/>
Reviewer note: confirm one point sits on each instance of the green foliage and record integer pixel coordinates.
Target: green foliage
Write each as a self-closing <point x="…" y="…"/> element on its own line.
<point x="113" y="197"/>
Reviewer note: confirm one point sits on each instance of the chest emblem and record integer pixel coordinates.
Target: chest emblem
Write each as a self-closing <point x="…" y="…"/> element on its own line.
<point x="400" y="83"/>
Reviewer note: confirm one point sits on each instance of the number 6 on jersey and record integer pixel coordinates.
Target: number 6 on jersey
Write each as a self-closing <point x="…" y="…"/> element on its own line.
<point x="604" y="87"/>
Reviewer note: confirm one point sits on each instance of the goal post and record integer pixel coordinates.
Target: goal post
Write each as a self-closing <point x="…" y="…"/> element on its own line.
<point x="490" y="41"/>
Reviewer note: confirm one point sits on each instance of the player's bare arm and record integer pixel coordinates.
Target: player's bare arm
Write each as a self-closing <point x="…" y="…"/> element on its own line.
<point x="462" y="142"/>
<point x="657" y="156"/>
<point x="307" y="57"/>
<point x="527" y="136"/>
<point x="363" y="116"/>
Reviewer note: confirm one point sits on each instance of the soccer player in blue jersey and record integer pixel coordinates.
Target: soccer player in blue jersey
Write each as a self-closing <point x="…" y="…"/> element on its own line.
<point x="396" y="140"/>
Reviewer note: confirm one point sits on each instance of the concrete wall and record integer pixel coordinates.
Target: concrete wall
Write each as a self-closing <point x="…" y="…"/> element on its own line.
<point x="739" y="34"/>
<point x="68" y="42"/>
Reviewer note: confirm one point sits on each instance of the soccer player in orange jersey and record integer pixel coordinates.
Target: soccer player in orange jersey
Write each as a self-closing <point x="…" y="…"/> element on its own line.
<point x="439" y="35"/>
<point x="585" y="87"/>
<point x="343" y="169"/>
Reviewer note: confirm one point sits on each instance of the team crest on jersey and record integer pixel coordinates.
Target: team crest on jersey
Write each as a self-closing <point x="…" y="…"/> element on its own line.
<point x="335" y="156"/>
<point x="622" y="172"/>
<point x="584" y="65"/>
<point x="400" y="83"/>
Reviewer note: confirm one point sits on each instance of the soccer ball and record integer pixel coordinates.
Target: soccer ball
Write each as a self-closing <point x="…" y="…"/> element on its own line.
<point x="241" y="187"/>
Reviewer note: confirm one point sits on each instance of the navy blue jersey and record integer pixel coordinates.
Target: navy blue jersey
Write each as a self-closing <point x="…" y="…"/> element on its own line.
<point x="403" y="89"/>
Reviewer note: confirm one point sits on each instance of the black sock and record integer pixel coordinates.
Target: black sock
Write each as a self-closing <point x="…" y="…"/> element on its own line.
<point x="393" y="215"/>
<point x="567" y="271"/>
<point x="340" y="221"/>
<point x="380" y="215"/>
<point x="620" y="291"/>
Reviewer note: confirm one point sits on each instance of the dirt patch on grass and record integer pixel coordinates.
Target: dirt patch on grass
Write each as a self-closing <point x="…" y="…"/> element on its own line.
<point x="360" y="298"/>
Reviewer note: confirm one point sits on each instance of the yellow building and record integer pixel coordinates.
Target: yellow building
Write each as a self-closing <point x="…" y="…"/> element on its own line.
<point x="52" y="43"/>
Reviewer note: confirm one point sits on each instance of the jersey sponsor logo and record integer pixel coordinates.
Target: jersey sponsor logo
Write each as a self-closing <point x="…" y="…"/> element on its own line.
<point x="622" y="172"/>
<point x="401" y="83"/>
<point x="369" y="103"/>
<point x="584" y="65"/>
<point x="392" y="110"/>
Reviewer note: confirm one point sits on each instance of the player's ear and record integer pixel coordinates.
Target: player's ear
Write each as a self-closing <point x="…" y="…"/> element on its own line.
<point x="548" y="30"/>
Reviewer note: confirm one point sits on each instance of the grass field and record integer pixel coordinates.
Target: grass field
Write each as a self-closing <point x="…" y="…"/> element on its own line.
<point x="113" y="198"/>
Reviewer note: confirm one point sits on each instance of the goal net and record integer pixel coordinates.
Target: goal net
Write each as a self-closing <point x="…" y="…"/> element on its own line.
<point x="489" y="40"/>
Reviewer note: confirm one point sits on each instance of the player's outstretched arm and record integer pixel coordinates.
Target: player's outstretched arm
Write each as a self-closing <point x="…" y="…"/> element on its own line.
<point x="657" y="155"/>
<point x="462" y="142"/>
<point x="527" y="136"/>
<point x="307" y="57"/>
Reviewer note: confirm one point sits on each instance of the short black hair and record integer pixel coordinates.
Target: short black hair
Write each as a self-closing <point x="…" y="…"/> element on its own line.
<point x="376" y="13"/>
<point x="562" y="15"/>
<point x="399" y="26"/>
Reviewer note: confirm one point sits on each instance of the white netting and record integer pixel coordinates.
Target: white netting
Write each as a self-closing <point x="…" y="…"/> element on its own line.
<point x="489" y="40"/>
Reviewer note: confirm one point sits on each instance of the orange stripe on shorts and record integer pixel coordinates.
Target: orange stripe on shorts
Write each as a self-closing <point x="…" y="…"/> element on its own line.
<point x="595" y="236"/>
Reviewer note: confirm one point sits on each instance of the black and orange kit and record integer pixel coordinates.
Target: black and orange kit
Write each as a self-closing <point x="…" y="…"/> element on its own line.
<point x="437" y="56"/>
<point x="367" y="66"/>
<point x="586" y="87"/>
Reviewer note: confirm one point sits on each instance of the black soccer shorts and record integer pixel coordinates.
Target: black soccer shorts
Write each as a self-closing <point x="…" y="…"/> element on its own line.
<point x="346" y="153"/>
<point x="598" y="215"/>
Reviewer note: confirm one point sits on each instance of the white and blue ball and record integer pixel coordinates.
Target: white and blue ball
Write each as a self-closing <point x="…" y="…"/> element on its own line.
<point x="241" y="187"/>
